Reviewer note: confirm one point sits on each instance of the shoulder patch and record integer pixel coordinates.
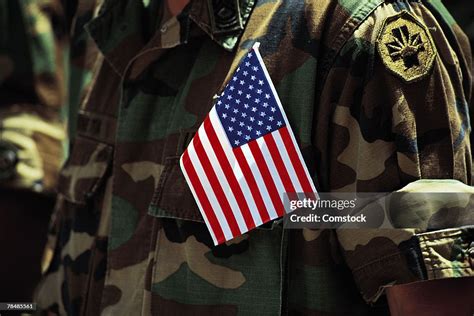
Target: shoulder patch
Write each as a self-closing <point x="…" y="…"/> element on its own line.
<point x="406" y="47"/>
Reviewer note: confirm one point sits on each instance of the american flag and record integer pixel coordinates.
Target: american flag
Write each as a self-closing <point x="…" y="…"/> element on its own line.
<point x="244" y="157"/>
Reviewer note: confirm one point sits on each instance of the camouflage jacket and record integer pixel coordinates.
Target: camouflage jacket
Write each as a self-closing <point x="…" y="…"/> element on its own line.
<point x="371" y="110"/>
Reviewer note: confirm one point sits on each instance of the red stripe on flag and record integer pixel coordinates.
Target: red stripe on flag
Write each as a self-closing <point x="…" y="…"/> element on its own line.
<point x="229" y="174"/>
<point x="267" y="178"/>
<point x="201" y="195"/>
<point x="216" y="186"/>
<point x="295" y="160"/>
<point x="279" y="164"/>
<point x="262" y="210"/>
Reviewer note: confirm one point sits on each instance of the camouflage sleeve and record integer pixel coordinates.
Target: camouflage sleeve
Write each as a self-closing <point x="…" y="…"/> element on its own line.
<point x="380" y="258"/>
<point x="406" y="91"/>
<point x="33" y="47"/>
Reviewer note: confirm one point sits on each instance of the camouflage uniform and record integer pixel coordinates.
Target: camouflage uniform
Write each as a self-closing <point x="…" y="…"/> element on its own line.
<point x="34" y="69"/>
<point x="32" y="132"/>
<point x="129" y="236"/>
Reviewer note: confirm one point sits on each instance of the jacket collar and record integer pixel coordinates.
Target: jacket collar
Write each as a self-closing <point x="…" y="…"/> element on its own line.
<point x="223" y="20"/>
<point x="118" y="29"/>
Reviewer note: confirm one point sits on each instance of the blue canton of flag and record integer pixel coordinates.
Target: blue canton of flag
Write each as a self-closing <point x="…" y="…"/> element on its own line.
<point x="247" y="108"/>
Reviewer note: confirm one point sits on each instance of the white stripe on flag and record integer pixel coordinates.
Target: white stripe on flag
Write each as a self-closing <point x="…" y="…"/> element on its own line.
<point x="287" y="162"/>
<point x="271" y="166"/>
<point x="223" y="181"/>
<point x="216" y="123"/>
<point x="259" y="179"/>
<point x="209" y="191"/>
<point x="300" y="156"/>
<point x="198" y="202"/>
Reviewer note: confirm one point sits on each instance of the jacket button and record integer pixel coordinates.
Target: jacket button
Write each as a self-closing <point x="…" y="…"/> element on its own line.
<point x="8" y="160"/>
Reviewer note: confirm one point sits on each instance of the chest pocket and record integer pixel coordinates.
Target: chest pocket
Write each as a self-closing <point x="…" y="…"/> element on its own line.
<point x="172" y="197"/>
<point x="85" y="170"/>
<point x="182" y="98"/>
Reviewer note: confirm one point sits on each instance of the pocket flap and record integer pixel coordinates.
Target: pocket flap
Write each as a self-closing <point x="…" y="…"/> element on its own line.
<point x="173" y="198"/>
<point x="84" y="170"/>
